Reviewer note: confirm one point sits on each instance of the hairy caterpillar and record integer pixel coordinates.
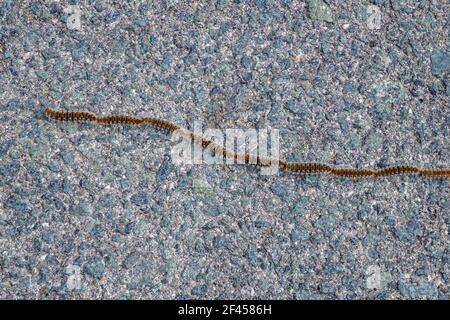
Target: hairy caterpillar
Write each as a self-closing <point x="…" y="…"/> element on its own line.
<point x="169" y="127"/>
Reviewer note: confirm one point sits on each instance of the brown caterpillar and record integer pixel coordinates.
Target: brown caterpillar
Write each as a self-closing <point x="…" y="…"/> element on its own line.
<point x="169" y="127"/>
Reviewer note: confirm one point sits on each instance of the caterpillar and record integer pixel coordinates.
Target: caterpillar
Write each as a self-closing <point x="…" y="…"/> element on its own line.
<point x="299" y="167"/>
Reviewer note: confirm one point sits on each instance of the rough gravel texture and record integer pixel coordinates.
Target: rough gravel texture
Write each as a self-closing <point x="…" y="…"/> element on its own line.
<point x="94" y="212"/>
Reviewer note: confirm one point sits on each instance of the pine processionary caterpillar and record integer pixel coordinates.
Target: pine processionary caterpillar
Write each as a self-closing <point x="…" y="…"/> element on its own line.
<point x="169" y="127"/>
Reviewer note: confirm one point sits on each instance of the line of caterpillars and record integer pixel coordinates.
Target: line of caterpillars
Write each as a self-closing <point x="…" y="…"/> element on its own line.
<point x="169" y="127"/>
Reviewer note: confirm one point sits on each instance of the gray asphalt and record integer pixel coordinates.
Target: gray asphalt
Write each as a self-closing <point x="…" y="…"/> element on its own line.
<point x="93" y="212"/>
